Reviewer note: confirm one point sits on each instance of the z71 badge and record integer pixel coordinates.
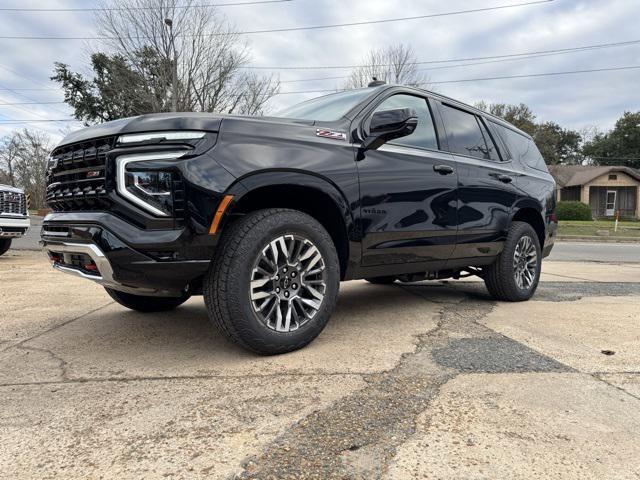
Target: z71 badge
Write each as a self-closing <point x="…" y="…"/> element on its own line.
<point x="321" y="132"/>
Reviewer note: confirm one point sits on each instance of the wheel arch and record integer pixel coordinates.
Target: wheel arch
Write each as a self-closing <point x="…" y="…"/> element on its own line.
<point x="312" y="194"/>
<point x="532" y="214"/>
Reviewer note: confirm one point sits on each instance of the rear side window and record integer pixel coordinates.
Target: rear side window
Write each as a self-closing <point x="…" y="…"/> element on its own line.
<point x="424" y="135"/>
<point x="465" y="135"/>
<point x="522" y="148"/>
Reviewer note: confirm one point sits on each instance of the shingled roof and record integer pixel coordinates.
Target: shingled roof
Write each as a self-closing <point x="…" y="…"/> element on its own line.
<point x="577" y="175"/>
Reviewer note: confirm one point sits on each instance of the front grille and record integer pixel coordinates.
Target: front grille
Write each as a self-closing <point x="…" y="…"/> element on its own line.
<point x="77" y="180"/>
<point x="13" y="203"/>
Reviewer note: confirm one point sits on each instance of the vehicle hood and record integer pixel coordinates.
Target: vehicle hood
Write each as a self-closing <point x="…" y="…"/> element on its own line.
<point x="9" y="188"/>
<point x="210" y="122"/>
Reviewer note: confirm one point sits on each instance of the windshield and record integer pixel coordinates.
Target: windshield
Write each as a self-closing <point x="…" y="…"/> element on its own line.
<point x="327" y="108"/>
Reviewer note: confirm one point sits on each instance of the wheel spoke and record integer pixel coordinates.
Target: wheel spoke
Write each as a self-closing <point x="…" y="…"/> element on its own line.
<point x="312" y="303"/>
<point x="283" y="245"/>
<point x="315" y="293"/>
<point x="279" y="317"/>
<point x="259" y="282"/>
<point x="287" y="317"/>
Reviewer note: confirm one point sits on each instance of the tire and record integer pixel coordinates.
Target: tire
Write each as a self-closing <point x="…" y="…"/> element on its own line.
<point x="240" y="287"/>
<point x="501" y="277"/>
<point x="5" y="244"/>
<point x="146" y="304"/>
<point x="381" y="280"/>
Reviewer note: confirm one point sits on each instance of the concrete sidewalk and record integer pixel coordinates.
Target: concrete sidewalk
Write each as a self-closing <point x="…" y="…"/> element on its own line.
<point x="428" y="380"/>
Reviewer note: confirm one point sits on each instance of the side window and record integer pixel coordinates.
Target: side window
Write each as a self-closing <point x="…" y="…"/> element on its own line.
<point x="424" y="135"/>
<point x="465" y="133"/>
<point x="492" y="151"/>
<point x="522" y="148"/>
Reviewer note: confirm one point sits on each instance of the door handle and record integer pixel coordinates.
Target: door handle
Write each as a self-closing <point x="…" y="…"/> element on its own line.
<point x="443" y="169"/>
<point x="504" y="178"/>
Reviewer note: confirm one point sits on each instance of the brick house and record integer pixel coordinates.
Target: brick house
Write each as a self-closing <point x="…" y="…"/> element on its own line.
<point x="604" y="189"/>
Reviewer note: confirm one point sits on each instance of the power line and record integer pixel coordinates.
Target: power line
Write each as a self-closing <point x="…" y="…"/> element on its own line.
<point x="501" y="60"/>
<point x="114" y="9"/>
<point x="12" y="122"/>
<point x="295" y="29"/>
<point x="28" y="89"/>
<point x="531" y="75"/>
<point x="31" y="103"/>
<point x="453" y="60"/>
<point x="534" y="75"/>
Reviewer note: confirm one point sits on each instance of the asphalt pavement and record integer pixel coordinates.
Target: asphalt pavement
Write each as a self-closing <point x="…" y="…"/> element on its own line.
<point x="595" y="252"/>
<point x="408" y="381"/>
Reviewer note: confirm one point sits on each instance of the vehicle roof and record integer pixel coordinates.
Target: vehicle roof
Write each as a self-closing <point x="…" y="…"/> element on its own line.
<point x="458" y="103"/>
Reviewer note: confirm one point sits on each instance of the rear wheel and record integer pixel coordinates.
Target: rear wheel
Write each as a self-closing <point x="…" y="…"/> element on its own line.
<point x="143" y="303"/>
<point x="381" y="280"/>
<point x="274" y="281"/>
<point x="515" y="275"/>
<point x="5" y="244"/>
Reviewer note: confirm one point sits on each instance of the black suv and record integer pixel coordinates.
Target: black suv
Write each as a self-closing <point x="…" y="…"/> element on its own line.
<point x="265" y="216"/>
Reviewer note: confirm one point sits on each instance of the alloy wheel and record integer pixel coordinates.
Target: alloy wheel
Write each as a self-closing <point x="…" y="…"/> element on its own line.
<point x="525" y="263"/>
<point x="288" y="283"/>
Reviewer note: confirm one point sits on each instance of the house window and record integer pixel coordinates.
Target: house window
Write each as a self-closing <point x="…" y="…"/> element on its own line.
<point x="613" y="177"/>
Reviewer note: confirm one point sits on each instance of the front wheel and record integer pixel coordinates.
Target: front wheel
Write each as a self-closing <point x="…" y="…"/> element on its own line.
<point x="515" y="275"/>
<point x="5" y="244"/>
<point x="274" y="281"/>
<point x="146" y="304"/>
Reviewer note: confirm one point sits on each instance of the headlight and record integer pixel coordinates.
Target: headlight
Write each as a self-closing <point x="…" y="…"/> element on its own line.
<point x="150" y="189"/>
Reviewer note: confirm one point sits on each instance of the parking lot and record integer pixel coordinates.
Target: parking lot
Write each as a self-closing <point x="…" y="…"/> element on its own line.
<point x="426" y="380"/>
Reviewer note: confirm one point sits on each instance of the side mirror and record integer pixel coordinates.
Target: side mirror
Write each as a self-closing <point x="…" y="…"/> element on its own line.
<point x="388" y="125"/>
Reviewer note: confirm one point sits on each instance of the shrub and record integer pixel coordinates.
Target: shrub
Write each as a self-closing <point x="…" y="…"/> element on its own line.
<point x="573" y="211"/>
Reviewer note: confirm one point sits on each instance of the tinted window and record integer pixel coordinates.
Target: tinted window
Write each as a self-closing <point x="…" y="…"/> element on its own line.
<point x="328" y="108"/>
<point x="522" y="148"/>
<point x="424" y="135"/>
<point x="464" y="133"/>
<point x="492" y="150"/>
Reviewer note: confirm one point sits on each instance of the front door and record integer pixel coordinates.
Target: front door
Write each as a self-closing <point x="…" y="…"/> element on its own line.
<point x="408" y="195"/>
<point x="610" y="208"/>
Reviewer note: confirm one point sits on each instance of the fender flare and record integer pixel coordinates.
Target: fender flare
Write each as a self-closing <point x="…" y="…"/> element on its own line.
<point x="279" y="177"/>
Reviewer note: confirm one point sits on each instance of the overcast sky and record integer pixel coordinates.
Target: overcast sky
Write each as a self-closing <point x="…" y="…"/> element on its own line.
<point x="576" y="101"/>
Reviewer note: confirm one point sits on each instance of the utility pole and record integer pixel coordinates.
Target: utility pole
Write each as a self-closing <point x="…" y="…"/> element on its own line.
<point x="174" y="94"/>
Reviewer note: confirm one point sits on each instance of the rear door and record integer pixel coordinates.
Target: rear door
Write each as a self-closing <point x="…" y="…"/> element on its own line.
<point x="487" y="187"/>
<point x="408" y="193"/>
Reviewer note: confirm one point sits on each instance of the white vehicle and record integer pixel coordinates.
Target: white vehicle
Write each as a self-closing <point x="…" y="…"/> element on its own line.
<point x="14" y="216"/>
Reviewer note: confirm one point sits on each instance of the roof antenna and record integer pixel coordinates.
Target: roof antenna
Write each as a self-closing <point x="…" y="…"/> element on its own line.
<point x="376" y="82"/>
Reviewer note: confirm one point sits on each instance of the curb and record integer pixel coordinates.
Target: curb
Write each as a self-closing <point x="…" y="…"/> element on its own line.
<point x="594" y="239"/>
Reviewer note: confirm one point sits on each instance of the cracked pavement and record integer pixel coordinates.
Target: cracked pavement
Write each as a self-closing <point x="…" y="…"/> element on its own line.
<point x="425" y="380"/>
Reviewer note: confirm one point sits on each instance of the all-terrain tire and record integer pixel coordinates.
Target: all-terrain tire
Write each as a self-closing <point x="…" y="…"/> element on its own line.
<point x="5" y="244"/>
<point x="146" y="304"/>
<point x="500" y="277"/>
<point x="227" y="291"/>
<point x="382" y="280"/>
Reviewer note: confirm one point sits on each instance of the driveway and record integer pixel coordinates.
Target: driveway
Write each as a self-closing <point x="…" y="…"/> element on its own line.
<point x="426" y="380"/>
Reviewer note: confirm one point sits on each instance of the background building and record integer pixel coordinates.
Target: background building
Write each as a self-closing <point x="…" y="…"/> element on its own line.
<point x="604" y="189"/>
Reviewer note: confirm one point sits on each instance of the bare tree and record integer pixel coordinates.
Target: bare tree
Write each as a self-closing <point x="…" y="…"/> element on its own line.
<point x="392" y="64"/>
<point x="28" y="151"/>
<point x="198" y="43"/>
<point x="8" y="157"/>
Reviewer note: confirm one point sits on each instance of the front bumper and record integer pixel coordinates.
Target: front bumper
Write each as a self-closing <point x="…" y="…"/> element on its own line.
<point x="111" y="252"/>
<point x="13" y="227"/>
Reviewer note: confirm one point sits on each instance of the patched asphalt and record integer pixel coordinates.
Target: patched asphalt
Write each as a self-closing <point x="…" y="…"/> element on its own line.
<point x="407" y="381"/>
